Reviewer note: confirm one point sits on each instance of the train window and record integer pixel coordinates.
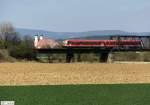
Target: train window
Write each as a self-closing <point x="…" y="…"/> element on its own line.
<point x="69" y="42"/>
<point x="113" y="43"/>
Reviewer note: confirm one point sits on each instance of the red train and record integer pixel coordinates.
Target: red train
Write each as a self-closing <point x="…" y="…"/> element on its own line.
<point x="103" y="43"/>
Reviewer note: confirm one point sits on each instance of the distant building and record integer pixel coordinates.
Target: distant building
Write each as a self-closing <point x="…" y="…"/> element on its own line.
<point x="40" y="42"/>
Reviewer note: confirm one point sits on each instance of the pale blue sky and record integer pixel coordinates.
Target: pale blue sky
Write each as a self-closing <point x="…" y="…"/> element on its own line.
<point x="77" y="15"/>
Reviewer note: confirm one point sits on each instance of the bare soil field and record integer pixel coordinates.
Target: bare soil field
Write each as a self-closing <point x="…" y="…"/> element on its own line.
<point x="75" y="73"/>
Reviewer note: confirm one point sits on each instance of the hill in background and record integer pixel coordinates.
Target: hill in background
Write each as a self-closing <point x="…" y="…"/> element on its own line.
<point x="104" y="34"/>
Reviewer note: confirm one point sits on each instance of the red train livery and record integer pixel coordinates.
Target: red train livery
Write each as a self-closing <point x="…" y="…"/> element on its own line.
<point x="103" y="43"/>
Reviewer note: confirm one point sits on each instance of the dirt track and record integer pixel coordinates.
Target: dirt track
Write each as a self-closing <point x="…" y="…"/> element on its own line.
<point x="51" y="74"/>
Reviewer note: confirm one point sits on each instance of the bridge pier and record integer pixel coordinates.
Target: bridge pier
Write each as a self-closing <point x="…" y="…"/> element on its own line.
<point x="104" y="57"/>
<point x="69" y="55"/>
<point x="110" y="57"/>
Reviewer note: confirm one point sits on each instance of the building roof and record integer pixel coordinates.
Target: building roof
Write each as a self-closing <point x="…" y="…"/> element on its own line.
<point x="47" y="43"/>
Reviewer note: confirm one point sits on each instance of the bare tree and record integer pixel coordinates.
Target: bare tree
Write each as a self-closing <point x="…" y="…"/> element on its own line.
<point x="8" y="34"/>
<point x="6" y="28"/>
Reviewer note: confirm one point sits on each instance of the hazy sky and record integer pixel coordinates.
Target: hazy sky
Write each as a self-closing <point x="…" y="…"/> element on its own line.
<point x="77" y="15"/>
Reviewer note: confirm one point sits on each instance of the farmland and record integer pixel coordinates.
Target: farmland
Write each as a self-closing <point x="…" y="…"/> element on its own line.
<point x="75" y="84"/>
<point x="113" y="94"/>
<point x="75" y="73"/>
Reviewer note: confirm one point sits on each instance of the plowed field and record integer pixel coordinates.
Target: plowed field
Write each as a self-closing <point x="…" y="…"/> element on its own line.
<point x="75" y="73"/>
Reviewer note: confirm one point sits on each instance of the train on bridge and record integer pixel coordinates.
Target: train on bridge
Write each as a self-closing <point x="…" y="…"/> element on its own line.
<point x="126" y="44"/>
<point x="101" y="47"/>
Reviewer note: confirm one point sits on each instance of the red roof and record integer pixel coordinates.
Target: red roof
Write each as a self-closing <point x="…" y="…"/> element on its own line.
<point x="47" y="43"/>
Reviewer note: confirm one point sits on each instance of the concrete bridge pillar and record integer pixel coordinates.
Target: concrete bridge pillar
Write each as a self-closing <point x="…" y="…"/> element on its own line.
<point x="110" y="58"/>
<point x="103" y="57"/>
<point x="69" y="55"/>
<point x="106" y="57"/>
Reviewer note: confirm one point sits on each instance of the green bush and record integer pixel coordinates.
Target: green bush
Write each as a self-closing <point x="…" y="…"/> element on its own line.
<point x="146" y="56"/>
<point x="126" y="56"/>
<point x="131" y="56"/>
<point x="5" y="57"/>
<point x="22" y="51"/>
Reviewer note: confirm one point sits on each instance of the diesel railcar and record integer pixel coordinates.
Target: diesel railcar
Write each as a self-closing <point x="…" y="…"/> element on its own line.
<point x="103" y="43"/>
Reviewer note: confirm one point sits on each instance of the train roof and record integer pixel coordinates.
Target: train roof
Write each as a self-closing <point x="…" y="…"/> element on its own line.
<point x="85" y="40"/>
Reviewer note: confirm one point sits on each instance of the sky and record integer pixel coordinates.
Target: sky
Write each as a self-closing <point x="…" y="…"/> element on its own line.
<point x="77" y="15"/>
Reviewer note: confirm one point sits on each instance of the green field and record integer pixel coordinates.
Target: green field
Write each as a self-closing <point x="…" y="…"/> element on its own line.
<point x="137" y="94"/>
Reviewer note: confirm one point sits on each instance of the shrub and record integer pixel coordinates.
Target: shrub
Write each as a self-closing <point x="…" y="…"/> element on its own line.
<point x="22" y="51"/>
<point x="146" y="56"/>
<point x="5" y="57"/>
<point x="126" y="56"/>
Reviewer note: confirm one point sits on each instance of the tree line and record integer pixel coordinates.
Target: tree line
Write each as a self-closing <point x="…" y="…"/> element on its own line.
<point x="19" y="47"/>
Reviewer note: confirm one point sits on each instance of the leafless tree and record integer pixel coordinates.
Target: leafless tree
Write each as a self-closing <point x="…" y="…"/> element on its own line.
<point x="6" y="28"/>
<point x="8" y="34"/>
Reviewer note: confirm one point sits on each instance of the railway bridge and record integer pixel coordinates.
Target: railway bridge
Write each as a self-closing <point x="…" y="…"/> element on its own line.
<point x="103" y="52"/>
